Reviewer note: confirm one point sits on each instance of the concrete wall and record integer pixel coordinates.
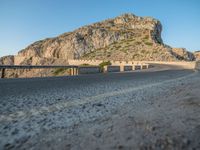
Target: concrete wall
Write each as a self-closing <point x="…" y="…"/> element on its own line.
<point x="115" y="63"/>
<point x="197" y="66"/>
<point x="122" y="65"/>
<point x="111" y="68"/>
<point x="88" y="70"/>
<point x="182" y="64"/>
<point x="126" y="68"/>
<point x="80" y="62"/>
<point x="179" y="64"/>
<point x="144" y="64"/>
<point x="97" y="62"/>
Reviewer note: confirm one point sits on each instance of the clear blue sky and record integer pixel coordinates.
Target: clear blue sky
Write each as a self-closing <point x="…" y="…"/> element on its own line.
<point x="23" y="22"/>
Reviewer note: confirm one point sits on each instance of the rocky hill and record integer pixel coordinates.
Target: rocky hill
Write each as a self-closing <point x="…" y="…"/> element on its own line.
<point x="97" y="36"/>
<point x="126" y="37"/>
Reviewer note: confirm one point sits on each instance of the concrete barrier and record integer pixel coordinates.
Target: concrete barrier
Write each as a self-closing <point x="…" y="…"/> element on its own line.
<point x="179" y="64"/>
<point x="111" y="68"/>
<point x="122" y="64"/>
<point x="197" y="65"/>
<point x="73" y="71"/>
<point x="88" y="69"/>
<point x="80" y="62"/>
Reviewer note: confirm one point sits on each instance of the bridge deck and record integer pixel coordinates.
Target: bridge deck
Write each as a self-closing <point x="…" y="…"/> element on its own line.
<point x="34" y="67"/>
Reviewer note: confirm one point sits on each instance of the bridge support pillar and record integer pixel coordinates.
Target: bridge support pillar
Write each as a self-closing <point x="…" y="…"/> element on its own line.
<point x="73" y="71"/>
<point x="133" y="67"/>
<point x="121" y="68"/>
<point x="3" y="73"/>
<point x="76" y="71"/>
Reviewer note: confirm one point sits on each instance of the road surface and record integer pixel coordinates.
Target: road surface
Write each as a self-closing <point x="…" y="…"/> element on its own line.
<point x="100" y="111"/>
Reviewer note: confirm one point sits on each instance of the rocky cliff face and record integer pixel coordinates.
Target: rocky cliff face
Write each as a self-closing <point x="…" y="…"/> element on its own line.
<point x="96" y="36"/>
<point x="197" y="55"/>
<point x="183" y="54"/>
<point x="126" y="37"/>
<point x="7" y="60"/>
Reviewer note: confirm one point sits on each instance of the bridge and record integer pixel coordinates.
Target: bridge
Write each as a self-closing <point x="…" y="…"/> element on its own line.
<point x="79" y="69"/>
<point x="76" y="66"/>
<point x="35" y="66"/>
<point x="73" y="68"/>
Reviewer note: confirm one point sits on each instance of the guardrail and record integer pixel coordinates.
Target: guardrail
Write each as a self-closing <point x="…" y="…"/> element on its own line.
<point x="75" y="69"/>
<point x="35" y="67"/>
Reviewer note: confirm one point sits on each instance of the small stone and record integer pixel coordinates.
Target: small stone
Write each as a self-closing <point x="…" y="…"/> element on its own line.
<point x="120" y="147"/>
<point x="6" y="127"/>
<point x="186" y="141"/>
<point x="97" y="133"/>
<point x="15" y="131"/>
<point x="128" y="138"/>
<point x="83" y="107"/>
<point x="153" y="128"/>
<point x="8" y="146"/>
<point x="98" y="104"/>
<point x="68" y="146"/>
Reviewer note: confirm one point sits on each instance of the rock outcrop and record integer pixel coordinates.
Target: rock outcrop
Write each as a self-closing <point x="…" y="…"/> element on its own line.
<point x="183" y="54"/>
<point x="7" y="60"/>
<point x="197" y="55"/>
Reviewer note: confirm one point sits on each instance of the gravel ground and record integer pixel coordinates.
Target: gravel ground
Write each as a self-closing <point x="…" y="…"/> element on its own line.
<point x="140" y="110"/>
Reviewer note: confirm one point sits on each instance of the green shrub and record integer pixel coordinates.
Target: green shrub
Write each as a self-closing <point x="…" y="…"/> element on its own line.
<point x="135" y="56"/>
<point x="146" y="37"/>
<point x="108" y="55"/>
<point x="138" y="43"/>
<point x="105" y="63"/>
<point x="149" y="43"/>
<point x="59" y="71"/>
<point x="155" y="52"/>
<point x="143" y="51"/>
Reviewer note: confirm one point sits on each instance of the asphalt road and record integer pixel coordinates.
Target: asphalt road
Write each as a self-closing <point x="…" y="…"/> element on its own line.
<point x="25" y="94"/>
<point x="32" y="107"/>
